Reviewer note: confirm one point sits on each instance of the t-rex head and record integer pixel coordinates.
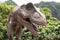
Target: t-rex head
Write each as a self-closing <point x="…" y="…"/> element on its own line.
<point x="34" y="15"/>
<point x="30" y="13"/>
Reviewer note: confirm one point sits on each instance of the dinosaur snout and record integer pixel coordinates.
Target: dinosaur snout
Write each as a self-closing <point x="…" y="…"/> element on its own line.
<point x="43" y="22"/>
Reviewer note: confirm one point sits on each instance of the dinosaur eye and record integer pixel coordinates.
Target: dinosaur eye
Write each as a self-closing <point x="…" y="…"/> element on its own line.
<point x="36" y="16"/>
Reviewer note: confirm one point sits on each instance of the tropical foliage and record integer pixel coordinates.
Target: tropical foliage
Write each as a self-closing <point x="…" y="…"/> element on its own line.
<point x="50" y="32"/>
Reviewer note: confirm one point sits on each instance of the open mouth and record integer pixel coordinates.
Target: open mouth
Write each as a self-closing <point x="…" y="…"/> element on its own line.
<point x="32" y="25"/>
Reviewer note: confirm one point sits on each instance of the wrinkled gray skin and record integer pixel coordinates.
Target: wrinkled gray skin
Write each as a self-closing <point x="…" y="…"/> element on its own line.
<point x="26" y="15"/>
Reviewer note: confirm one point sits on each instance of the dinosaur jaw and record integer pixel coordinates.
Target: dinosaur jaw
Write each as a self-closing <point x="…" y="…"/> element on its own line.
<point x="32" y="28"/>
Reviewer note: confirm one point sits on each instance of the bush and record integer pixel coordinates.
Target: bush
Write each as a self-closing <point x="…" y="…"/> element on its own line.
<point x="50" y="32"/>
<point x="4" y="10"/>
<point x="52" y="29"/>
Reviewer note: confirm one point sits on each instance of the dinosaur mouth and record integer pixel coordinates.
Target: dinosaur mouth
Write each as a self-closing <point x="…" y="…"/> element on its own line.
<point x="32" y="25"/>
